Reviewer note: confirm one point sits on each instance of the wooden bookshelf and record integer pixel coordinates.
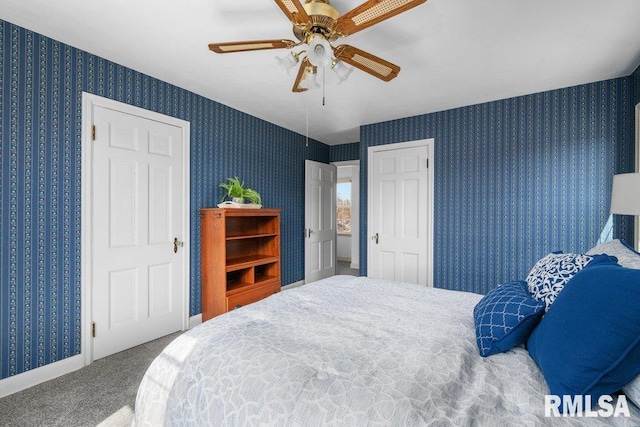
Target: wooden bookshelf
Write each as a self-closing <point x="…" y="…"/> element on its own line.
<point x="240" y="257"/>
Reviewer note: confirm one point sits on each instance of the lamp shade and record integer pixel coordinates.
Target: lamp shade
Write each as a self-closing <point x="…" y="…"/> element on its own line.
<point x="310" y="82"/>
<point x="287" y="62"/>
<point x="625" y="195"/>
<point x="341" y="70"/>
<point x="320" y="52"/>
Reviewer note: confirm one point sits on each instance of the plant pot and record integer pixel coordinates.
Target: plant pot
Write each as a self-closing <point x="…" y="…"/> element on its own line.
<point x="239" y="200"/>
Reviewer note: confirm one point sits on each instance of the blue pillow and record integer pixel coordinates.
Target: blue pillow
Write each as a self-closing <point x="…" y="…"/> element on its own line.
<point x="505" y="317"/>
<point x="588" y="343"/>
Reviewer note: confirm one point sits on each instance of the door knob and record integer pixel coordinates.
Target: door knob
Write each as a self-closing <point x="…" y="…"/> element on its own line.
<point x="375" y="237"/>
<point x="177" y="244"/>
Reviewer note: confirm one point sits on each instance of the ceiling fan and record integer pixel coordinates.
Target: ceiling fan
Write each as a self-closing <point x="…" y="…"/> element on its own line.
<point x="317" y="25"/>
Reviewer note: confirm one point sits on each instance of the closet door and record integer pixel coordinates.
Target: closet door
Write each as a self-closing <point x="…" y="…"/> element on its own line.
<point x="398" y="217"/>
<point x="137" y="265"/>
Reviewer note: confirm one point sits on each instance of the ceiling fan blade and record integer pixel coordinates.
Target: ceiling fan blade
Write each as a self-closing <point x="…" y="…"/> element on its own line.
<point x="367" y="62"/>
<point x="302" y="74"/>
<point x="244" y="46"/>
<point x="294" y="11"/>
<point x="371" y="12"/>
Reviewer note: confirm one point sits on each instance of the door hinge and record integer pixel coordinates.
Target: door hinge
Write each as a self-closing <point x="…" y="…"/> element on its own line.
<point x="93" y="329"/>
<point x="93" y="132"/>
<point x="427" y="163"/>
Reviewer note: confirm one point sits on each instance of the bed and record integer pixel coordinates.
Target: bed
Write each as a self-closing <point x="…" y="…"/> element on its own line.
<point x="347" y="351"/>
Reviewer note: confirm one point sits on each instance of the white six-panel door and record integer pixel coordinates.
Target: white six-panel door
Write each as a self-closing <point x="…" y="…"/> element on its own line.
<point x="320" y="221"/>
<point x="137" y="283"/>
<point x="399" y="215"/>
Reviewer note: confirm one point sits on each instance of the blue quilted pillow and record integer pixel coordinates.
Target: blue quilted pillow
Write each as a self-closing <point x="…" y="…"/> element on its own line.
<point x="589" y="341"/>
<point x="505" y="317"/>
<point x="549" y="275"/>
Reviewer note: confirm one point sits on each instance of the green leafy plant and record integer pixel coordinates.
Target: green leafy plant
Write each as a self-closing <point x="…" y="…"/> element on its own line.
<point x="235" y="188"/>
<point x="252" y="196"/>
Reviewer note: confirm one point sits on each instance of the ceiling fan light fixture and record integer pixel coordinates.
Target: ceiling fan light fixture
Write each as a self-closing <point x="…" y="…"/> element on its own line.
<point x="287" y="62"/>
<point x="310" y="82"/>
<point x="317" y="24"/>
<point x="342" y="71"/>
<point x="320" y="52"/>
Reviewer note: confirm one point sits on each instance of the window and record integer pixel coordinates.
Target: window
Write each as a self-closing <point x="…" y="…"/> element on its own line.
<point x="343" y="203"/>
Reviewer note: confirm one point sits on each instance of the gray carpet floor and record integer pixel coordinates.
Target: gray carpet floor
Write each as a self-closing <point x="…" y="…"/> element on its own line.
<point x="102" y="394"/>
<point x="342" y="267"/>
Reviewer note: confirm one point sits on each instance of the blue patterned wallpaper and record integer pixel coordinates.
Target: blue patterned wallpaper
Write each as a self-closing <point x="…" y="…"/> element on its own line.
<point x="517" y="178"/>
<point x="567" y="142"/>
<point x="41" y="83"/>
<point x="344" y="152"/>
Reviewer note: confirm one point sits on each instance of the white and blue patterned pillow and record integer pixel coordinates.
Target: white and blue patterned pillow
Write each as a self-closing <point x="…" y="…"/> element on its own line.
<point x="548" y="277"/>
<point x="505" y="317"/>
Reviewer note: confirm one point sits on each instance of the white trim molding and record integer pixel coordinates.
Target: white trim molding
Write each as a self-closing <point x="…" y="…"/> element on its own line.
<point x="39" y="375"/>
<point x="195" y="320"/>
<point x="293" y="285"/>
<point x="89" y="101"/>
<point x="347" y="163"/>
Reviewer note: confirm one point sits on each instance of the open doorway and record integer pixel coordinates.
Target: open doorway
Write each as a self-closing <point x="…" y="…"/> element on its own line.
<point x="348" y="217"/>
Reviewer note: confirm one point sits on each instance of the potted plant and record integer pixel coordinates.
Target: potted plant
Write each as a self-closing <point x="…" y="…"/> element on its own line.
<point x="236" y="190"/>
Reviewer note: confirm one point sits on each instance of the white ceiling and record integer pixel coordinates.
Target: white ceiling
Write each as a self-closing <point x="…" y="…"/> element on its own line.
<point x="452" y="52"/>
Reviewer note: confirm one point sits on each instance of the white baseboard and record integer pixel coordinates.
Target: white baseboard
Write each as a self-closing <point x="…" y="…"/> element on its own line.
<point x="355" y="265"/>
<point x="195" y="320"/>
<point x="343" y="258"/>
<point x="39" y="375"/>
<point x="293" y="285"/>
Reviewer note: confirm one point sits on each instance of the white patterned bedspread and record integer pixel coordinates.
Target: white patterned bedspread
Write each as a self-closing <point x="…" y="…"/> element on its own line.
<point x="346" y="351"/>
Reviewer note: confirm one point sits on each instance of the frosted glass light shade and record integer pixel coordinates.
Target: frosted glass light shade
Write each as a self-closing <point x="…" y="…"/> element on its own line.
<point x="625" y="195"/>
<point x="319" y="53"/>
<point x="287" y="62"/>
<point x="342" y="71"/>
<point x="310" y="82"/>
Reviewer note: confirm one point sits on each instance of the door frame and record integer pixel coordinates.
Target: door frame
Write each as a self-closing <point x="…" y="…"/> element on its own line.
<point x="89" y="101"/>
<point x="429" y="144"/>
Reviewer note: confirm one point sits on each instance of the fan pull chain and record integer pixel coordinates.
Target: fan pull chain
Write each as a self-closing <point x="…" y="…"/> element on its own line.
<point x="323" y="89"/>
<point x="307" y="139"/>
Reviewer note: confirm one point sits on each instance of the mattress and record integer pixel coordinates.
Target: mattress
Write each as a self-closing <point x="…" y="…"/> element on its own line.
<point x="346" y="351"/>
